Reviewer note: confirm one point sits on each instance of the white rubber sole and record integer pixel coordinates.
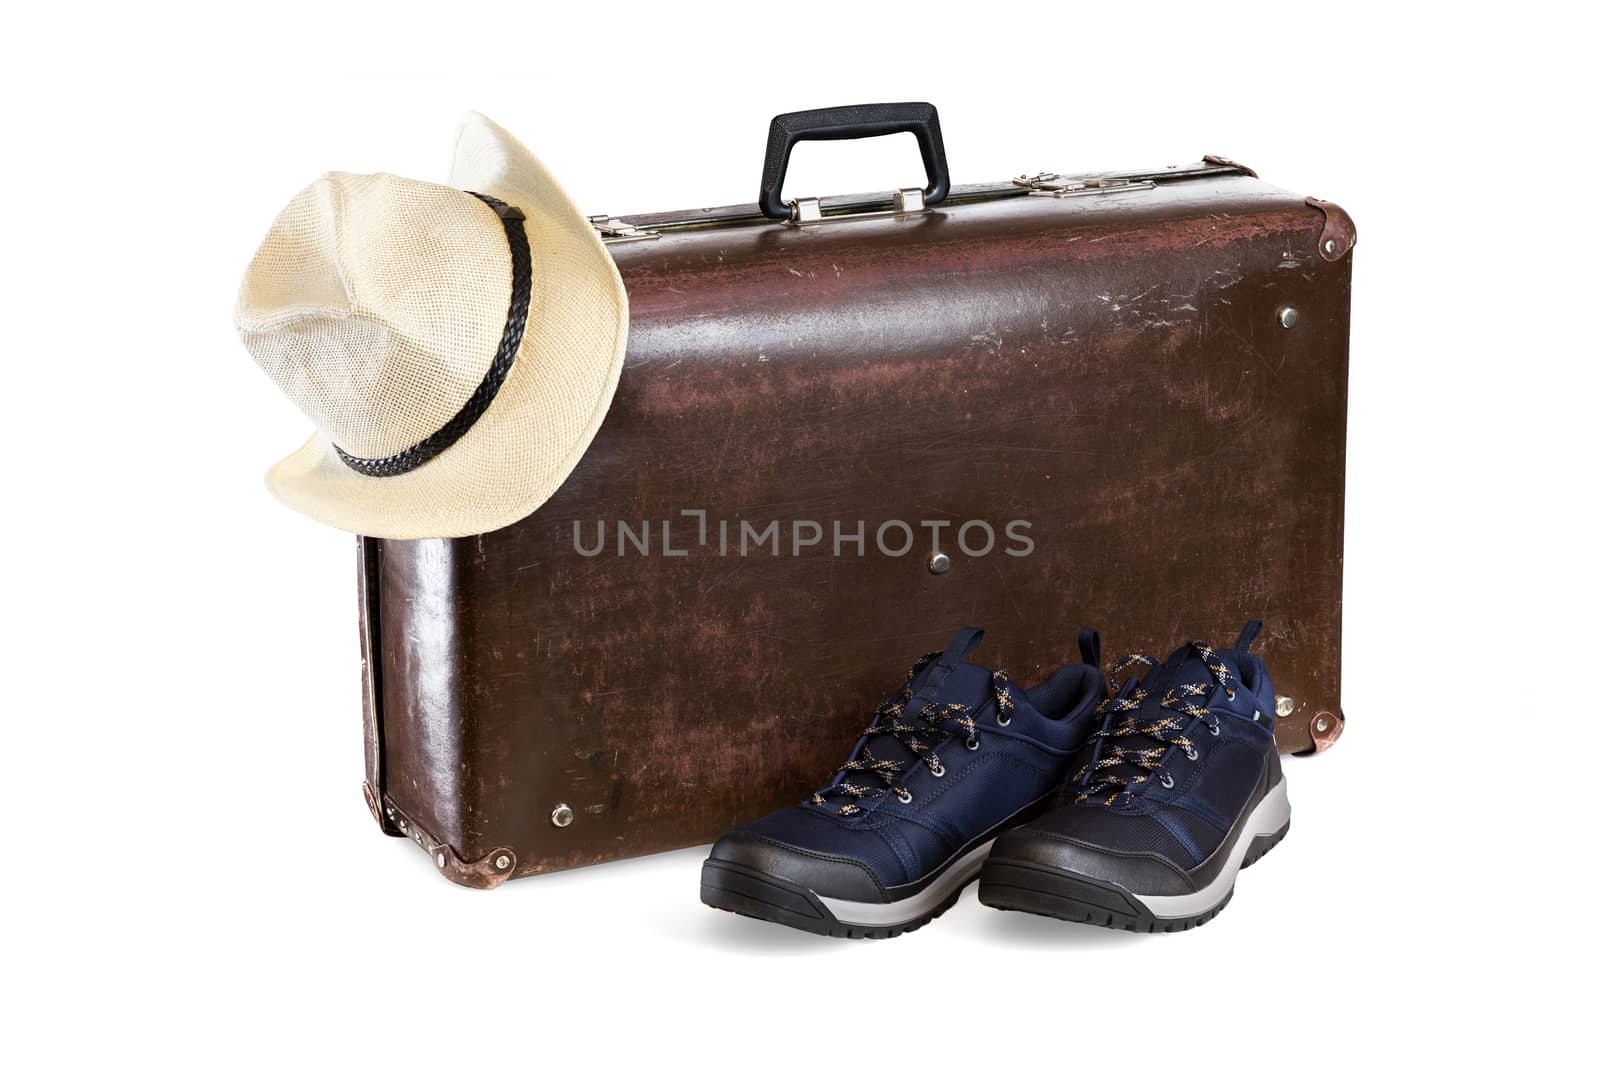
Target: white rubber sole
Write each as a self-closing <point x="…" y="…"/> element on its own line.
<point x="861" y="913"/>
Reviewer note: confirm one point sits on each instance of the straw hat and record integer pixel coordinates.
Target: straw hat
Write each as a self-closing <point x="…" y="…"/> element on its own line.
<point x="456" y="346"/>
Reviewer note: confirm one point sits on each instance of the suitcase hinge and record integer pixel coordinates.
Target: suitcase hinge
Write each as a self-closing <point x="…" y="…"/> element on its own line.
<point x="808" y="209"/>
<point x="615" y="231"/>
<point x="1048" y="184"/>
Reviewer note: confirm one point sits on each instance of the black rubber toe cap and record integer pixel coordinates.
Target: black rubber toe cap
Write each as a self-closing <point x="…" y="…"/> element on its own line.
<point x="1142" y="873"/>
<point x="841" y="877"/>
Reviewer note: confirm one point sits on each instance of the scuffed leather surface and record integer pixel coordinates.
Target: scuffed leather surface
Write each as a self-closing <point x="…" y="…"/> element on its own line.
<point x="1111" y="369"/>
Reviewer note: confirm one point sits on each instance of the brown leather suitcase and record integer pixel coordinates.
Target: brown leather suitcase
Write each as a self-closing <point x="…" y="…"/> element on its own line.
<point x="1146" y="370"/>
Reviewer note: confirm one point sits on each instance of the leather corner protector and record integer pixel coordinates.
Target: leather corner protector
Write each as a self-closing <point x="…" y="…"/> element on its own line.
<point x="1326" y="728"/>
<point x="1338" y="235"/>
<point x="1224" y="161"/>
<point x="495" y="867"/>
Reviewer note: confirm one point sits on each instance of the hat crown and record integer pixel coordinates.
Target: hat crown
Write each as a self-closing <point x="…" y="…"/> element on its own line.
<point x="376" y="303"/>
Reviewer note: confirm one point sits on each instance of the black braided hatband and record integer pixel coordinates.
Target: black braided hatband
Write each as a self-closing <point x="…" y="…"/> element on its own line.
<point x="478" y="403"/>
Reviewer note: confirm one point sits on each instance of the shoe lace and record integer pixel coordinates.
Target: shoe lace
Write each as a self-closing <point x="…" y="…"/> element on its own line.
<point x="1114" y="767"/>
<point x="920" y="732"/>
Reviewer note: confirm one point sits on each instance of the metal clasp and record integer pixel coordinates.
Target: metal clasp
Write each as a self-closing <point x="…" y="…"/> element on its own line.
<point x="615" y="231"/>
<point x="808" y="209"/>
<point x="1049" y="184"/>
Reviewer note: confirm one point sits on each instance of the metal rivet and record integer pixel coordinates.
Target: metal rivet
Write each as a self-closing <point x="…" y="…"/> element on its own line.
<point x="938" y="563"/>
<point x="562" y="815"/>
<point x="1323" y="724"/>
<point x="439" y="859"/>
<point x="1285" y="706"/>
<point x="1287" y="317"/>
<point x="1330" y="246"/>
<point x="402" y="826"/>
<point x="502" y="862"/>
<point x="389" y="812"/>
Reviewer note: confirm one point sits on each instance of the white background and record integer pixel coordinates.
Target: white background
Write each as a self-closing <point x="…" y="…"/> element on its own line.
<point x="190" y="871"/>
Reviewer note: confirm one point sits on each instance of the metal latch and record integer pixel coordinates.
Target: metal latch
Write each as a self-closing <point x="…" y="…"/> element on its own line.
<point x="1048" y="184"/>
<point x="809" y="208"/>
<point x="615" y="231"/>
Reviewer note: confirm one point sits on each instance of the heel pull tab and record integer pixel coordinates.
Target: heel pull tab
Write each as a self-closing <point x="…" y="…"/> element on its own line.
<point x="1251" y="631"/>
<point x="1089" y="646"/>
<point x="963" y="644"/>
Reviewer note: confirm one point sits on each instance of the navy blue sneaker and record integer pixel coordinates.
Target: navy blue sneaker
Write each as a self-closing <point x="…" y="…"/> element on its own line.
<point x="1181" y="789"/>
<point x="954" y="757"/>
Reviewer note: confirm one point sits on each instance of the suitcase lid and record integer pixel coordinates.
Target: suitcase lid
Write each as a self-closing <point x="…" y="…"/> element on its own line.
<point x="648" y="226"/>
<point x="922" y="120"/>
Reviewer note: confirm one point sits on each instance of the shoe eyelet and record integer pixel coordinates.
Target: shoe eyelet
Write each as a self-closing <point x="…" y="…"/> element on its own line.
<point x="1233" y="694"/>
<point x="1001" y="719"/>
<point x="1192" y="752"/>
<point x="937" y="770"/>
<point x="904" y="797"/>
<point x="972" y="744"/>
<point x="1166" y="781"/>
<point x="1215" y="727"/>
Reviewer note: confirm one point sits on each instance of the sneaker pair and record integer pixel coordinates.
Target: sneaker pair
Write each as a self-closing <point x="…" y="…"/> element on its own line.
<point x="1133" y="808"/>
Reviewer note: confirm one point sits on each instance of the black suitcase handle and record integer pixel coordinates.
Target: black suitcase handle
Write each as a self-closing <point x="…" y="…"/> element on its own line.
<point x="848" y="124"/>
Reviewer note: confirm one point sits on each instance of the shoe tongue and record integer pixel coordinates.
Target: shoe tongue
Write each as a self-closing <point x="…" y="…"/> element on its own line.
<point x="1183" y="666"/>
<point x="967" y="684"/>
<point x="948" y="679"/>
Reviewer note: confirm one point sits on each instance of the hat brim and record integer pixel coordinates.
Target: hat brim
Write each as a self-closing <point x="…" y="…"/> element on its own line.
<point x="546" y="412"/>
